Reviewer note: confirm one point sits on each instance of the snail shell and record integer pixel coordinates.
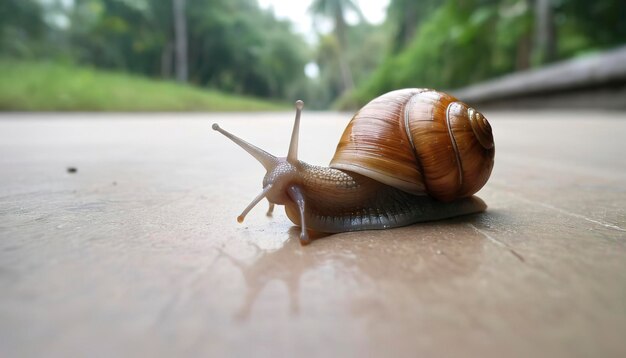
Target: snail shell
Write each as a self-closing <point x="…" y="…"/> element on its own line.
<point x="420" y="141"/>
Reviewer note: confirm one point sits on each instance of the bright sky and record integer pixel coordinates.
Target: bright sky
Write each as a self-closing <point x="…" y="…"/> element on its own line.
<point x="297" y="12"/>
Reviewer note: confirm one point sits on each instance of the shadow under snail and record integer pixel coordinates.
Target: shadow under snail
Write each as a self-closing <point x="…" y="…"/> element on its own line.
<point x="407" y="156"/>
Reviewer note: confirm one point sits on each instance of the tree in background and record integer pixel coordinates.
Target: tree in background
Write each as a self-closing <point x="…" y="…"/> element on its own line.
<point x="21" y="27"/>
<point x="335" y="10"/>
<point x="231" y="45"/>
<point x="180" y="38"/>
<point x="453" y="46"/>
<point x="234" y="46"/>
<point x="545" y="32"/>
<point x="239" y="48"/>
<point x="467" y="41"/>
<point x="585" y="26"/>
<point x="405" y="17"/>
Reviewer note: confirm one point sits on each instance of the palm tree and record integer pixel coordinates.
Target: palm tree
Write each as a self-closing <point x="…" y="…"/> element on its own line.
<point x="406" y="17"/>
<point x="335" y="10"/>
<point x="545" y="35"/>
<point x="180" y="39"/>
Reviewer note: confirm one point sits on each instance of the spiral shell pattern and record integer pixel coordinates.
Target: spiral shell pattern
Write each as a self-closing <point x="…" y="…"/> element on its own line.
<point x="420" y="141"/>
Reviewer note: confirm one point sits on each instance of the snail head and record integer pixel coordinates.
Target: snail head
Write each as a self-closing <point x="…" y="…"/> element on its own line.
<point x="281" y="171"/>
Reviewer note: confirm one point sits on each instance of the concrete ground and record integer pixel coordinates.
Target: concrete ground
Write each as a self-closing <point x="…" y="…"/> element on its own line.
<point x="138" y="252"/>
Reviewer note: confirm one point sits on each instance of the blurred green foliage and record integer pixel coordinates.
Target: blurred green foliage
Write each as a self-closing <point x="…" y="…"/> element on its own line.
<point x="367" y="53"/>
<point x="233" y="45"/>
<point x="236" y="47"/>
<point x="461" y="42"/>
<point x="21" y="26"/>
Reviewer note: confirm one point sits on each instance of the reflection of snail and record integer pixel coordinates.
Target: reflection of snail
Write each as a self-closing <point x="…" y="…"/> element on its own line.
<point x="408" y="156"/>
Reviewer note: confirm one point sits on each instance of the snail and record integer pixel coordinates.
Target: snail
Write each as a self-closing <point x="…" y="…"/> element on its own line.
<point x="408" y="156"/>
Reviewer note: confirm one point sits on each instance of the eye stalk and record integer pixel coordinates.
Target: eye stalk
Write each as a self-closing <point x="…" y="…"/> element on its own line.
<point x="292" y="155"/>
<point x="268" y="161"/>
<point x="265" y="158"/>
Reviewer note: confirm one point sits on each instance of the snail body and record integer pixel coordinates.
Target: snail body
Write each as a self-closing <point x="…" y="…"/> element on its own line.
<point x="409" y="155"/>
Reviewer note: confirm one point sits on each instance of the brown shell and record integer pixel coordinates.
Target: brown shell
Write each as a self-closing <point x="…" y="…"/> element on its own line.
<point x="420" y="141"/>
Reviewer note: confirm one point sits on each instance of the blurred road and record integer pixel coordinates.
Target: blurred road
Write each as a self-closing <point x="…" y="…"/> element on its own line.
<point x="138" y="252"/>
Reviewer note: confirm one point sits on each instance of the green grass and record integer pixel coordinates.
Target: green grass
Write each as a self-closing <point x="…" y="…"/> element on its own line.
<point x="47" y="86"/>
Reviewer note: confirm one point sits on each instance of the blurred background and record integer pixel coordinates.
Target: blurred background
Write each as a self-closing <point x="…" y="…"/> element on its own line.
<point x="263" y="54"/>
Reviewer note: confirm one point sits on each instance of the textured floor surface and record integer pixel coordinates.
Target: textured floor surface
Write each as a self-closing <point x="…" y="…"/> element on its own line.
<point x="139" y="252"/>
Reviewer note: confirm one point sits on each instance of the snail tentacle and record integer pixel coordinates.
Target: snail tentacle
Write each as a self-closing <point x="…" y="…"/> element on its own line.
<point x="292" y="154"/>
<point x="253" y="203"/>
<point x="266" y="159"/>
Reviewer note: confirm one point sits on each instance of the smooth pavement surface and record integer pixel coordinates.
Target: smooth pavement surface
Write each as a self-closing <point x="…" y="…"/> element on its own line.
<point x="138" y="252"/>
